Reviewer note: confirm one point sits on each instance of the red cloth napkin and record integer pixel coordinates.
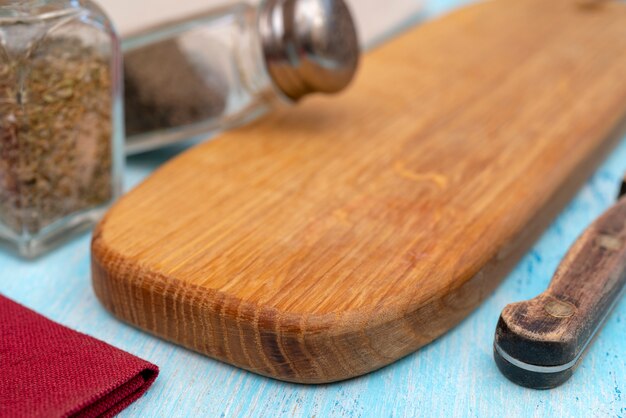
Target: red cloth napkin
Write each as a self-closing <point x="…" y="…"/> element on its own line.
<point x="48" y="370"/>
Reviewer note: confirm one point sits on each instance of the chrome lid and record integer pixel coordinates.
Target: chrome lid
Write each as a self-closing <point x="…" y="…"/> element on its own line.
<point x="309" y="45"/>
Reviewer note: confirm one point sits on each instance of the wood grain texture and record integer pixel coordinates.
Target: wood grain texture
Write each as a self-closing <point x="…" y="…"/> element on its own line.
<point x="454" y="376"/>
<point x="554" y="328"/>
<point x="329" y="240"/>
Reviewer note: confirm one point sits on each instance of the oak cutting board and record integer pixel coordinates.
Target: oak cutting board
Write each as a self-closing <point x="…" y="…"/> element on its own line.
<point x="330" y="239"/>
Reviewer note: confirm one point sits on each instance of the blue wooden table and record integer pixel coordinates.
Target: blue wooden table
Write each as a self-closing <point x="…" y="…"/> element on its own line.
<point x="454" y="376"/>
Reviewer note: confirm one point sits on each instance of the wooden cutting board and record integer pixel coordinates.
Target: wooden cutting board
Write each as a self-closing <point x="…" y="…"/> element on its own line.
<point x="331" y="239"/>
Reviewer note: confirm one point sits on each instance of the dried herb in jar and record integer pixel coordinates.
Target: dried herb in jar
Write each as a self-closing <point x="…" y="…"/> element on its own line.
<point x="55" y="134"/>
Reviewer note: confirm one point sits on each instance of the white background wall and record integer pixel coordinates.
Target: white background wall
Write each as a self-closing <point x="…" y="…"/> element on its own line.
<point x="374" y="17"/>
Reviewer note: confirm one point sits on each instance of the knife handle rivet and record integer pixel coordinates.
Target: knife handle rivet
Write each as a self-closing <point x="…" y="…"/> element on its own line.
<point x="609" y="242"/>
<point x="559" y="309"/>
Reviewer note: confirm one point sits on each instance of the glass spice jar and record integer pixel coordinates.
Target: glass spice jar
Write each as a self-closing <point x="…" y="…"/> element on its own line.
<point x="218" y="69"/>
<point x="61" y="121"/>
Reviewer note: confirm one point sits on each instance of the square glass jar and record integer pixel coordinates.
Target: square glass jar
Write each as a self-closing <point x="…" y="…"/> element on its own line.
<point x="61" y="120"/>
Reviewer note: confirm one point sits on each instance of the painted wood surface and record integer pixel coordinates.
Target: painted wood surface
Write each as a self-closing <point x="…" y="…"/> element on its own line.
<point x="454" y="376"/>
<point x="328" y="240"/>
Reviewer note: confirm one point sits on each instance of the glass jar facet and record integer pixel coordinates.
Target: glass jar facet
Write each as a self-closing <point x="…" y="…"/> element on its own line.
<point x="60" y="120"/>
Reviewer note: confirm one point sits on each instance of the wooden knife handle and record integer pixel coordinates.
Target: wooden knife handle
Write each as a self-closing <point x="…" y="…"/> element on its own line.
<point x="540" y="342"/>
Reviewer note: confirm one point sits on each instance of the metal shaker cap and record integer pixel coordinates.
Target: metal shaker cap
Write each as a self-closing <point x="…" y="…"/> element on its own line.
<point x="309" y="45"/>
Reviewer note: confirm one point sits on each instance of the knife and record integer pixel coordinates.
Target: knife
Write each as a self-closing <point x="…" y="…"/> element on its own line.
<point x="540" y="342"/>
